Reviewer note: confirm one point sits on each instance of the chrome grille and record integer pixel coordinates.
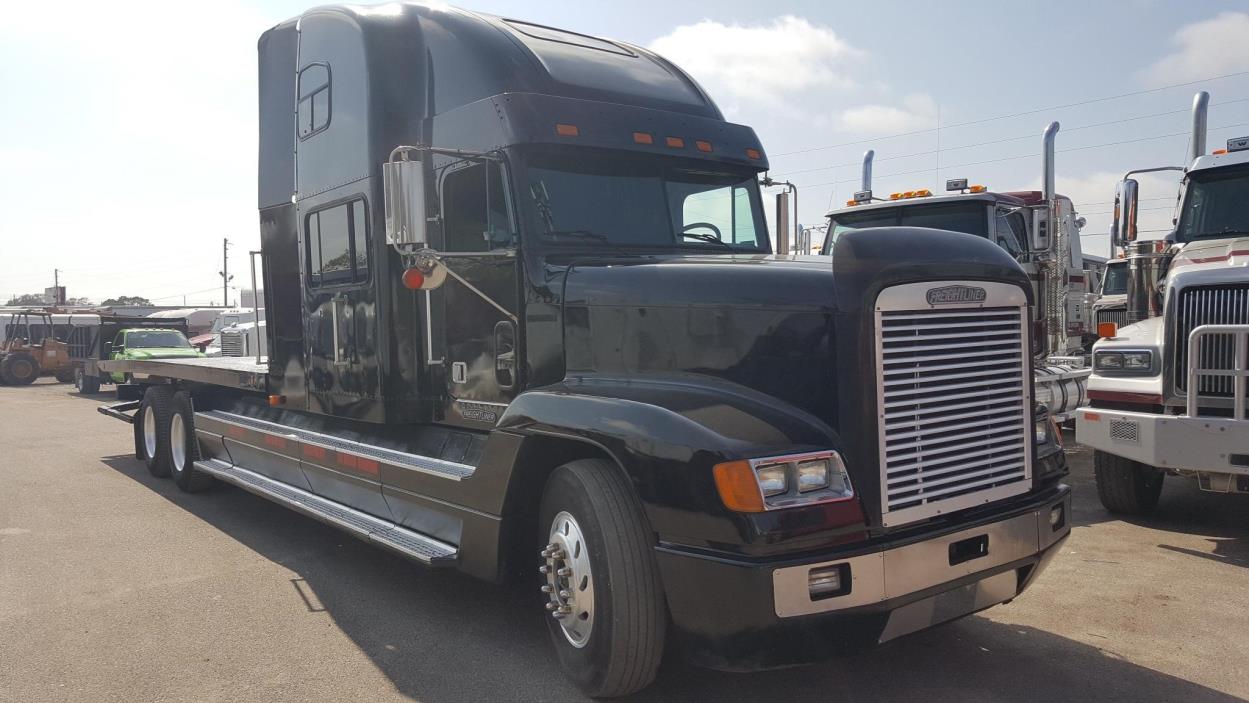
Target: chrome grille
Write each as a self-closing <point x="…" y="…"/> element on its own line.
<point x="1209" y="305"/>
<point x="233" y="344"/>
<point x="955" y="408"/>
<point x="1119" y="316"/>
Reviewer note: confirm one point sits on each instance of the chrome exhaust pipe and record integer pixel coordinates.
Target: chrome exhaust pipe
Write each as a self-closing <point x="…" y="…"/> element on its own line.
<point x="1047" y="162"/>
<point x="1201" y="106"/>
<point x="868" y="155"/>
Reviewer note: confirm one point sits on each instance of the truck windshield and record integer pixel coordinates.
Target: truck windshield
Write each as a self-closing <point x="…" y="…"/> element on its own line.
<point x="149" y="339"/>
<point x="1214" y="206"/>
<point x="969" y="218"/>
<point x="643" y="203"/>
<point x="1116" y="280"/>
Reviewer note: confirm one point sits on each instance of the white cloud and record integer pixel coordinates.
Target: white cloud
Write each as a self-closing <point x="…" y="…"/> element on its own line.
<point x="761" y="63"/>
<point x="917" y="111"/>
<point x="1205" y="49"/>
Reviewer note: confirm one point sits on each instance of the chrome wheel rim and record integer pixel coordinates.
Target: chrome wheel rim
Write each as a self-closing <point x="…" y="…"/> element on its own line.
<point x="149" y="433"/>
<point x="177" y="442"/>
<point x="569" y="586"/>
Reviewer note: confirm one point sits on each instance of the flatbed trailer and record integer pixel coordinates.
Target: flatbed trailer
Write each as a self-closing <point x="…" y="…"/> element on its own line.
<point x="524" y="321"/>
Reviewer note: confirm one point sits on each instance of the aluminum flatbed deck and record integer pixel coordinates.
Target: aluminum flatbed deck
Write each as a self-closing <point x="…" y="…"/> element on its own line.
<point x="228" y="371"/>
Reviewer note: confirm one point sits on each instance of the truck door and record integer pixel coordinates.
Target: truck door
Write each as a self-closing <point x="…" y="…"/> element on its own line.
<point x="476" y="308"/>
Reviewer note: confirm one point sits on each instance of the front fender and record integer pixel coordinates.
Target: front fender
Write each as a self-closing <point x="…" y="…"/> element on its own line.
<point x="667" y="432"/>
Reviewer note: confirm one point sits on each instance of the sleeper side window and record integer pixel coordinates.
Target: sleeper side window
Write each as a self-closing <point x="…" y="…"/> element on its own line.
<point x="336" y="244"/>
<point x="314" y="99"/>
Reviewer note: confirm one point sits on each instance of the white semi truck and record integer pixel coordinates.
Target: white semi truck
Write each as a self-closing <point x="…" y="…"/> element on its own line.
<point x="1168" y="393"/>
<point x="1040" y="229"/>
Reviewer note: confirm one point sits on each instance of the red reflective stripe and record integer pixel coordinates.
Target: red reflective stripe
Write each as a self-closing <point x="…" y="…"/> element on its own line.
<point x="1124" y="397"/>
<point x="274" y="441"/>
<point x="236" y="431"/>
<point x="348" y="460"/>
<point x="313" y="452"/>
<point x="367" y="466"/>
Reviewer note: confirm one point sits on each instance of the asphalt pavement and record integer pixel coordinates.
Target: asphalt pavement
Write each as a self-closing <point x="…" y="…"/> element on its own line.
<point x="115" y="586"/>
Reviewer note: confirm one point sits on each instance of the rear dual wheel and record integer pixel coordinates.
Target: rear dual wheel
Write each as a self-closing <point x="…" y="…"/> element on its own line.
<point x="165" y="437"/>
<point x="601" y="585"/>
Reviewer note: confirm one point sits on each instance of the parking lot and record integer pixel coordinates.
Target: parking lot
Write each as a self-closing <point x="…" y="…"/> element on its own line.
<point x="116" y="586"/>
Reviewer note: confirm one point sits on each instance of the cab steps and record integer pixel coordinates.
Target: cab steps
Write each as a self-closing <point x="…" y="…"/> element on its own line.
<point x="406" y="542"/>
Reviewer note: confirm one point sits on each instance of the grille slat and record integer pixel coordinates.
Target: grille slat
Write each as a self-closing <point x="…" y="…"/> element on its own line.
<point x="1209" y="305"/>
<point x="1119" y="316"/>
<point x="954" y="404"/>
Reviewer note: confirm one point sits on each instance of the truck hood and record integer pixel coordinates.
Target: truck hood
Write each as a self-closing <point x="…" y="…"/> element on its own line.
<point x="161" y="353"/>
<point x="1214" y="254"/>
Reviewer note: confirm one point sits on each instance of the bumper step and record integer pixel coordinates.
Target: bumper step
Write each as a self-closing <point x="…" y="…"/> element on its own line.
<point x="408" y="543"/>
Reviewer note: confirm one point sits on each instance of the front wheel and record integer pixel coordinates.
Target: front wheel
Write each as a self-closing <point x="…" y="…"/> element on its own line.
<point x="601" y="585"/>
<point x="1126" y="486"/>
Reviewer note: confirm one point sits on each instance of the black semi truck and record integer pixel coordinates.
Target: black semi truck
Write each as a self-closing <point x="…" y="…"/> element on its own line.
<point x="525" y="319"/>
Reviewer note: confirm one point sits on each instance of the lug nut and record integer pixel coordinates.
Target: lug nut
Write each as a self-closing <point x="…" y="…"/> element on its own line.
<point x="551" y="606"/>
<point x="564" y="572"/>
<point x="544" y="569"/>
<point x="565" y="595"/>
<point x="546" y="588"/>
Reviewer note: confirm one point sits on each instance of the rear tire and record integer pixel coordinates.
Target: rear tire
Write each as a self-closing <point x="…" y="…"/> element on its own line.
<point x="85" y="384"/>
<point x="620" y="651"/>
<point x="152" y="429"/>
<point x="1125" y="486"/>
<point x="19" y="369"/>
<point x="184" y="446"/>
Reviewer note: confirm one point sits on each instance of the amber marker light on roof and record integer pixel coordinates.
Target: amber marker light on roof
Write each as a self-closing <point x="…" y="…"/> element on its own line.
<point x="567" y="130"/>
<point x="643" y="138"/>
<point x="675" y="142"/>
<point x="703" y="145"/>
<point x="753" y="154"/>
<point x="977" y="189"/>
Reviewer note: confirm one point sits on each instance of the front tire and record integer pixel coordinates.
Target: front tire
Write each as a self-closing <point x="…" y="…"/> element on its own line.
<point x="19" y="369"/>
<point x="602" y="587"/>
<point x="152" y="429"/>
<point x="1125" y="486"/>
<point x="184" y="446"/>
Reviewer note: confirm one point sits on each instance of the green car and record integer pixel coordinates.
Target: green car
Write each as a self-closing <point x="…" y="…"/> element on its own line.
<point x="150" y="344"/>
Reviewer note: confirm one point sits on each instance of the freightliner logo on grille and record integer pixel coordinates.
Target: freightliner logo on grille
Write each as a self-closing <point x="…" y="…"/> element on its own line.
<point x="952" y="295"/>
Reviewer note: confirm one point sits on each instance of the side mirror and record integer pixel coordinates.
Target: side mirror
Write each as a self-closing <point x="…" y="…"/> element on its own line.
<point x="404" y="186"/>
<point x="1123" y="228"/>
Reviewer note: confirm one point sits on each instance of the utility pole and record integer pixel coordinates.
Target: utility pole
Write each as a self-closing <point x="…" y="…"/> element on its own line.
<point x="225" y="271"/>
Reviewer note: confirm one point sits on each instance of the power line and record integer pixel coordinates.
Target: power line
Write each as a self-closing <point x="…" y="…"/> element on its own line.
<point x="787" y="174"/>
<point x="1025" y="156"/>
<point x="1016" y="114"/>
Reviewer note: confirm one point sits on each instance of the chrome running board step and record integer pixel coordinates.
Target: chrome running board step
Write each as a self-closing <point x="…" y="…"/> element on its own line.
<point x="408" y="543"/>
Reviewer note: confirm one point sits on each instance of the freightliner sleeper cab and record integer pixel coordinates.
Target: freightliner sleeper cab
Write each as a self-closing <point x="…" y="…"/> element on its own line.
<point x="523" y="317"/>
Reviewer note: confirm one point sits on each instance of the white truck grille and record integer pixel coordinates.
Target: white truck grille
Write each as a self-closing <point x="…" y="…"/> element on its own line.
<point x="955" y="398"/>
<point x="233" y="344"/>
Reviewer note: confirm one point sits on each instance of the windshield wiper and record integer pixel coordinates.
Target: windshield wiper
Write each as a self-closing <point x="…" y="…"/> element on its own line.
<point x="706" y="237"/>
<point x="589" y="234"/>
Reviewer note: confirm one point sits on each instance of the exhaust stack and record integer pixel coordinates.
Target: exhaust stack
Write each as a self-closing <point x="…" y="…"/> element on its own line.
<point x="1201" y="105"/>
<point x="866" y="185"/>
<point x="1047" y="162"/>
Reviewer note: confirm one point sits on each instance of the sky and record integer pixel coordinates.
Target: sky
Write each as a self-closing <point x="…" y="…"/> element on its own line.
<point x="128" y="132"/>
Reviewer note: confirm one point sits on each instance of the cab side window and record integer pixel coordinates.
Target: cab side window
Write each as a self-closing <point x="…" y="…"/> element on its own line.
<point x="337" y="244"/>
<point x="1010" y="232"/>
<point x="475" y="209"/>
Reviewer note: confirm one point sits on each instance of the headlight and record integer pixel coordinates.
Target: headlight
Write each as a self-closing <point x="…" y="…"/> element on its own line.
<point x="1124" y="361"/>
<point x="770" y="483"/>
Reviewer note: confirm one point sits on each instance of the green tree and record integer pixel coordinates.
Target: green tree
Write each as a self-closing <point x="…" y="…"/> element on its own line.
<point x="126" y="300"/>
<point x="27" y="299"/>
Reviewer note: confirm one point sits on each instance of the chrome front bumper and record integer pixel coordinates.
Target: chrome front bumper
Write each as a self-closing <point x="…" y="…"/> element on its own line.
<point x="1175" y="442"/>
<point x="926" y="566"/>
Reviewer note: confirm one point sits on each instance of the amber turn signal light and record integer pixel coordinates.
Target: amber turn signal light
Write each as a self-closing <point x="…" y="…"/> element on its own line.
<point x="738" y="488"/>
<point x="643" y="138"/>
<point x="567" y="130"/>
<point x="1107" y="329"/>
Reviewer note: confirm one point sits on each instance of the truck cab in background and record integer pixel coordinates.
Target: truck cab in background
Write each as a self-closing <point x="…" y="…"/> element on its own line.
<point x="1111" y="302"/>
<point x="1168" y="391"/>
<point x="1039" y="229"/>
